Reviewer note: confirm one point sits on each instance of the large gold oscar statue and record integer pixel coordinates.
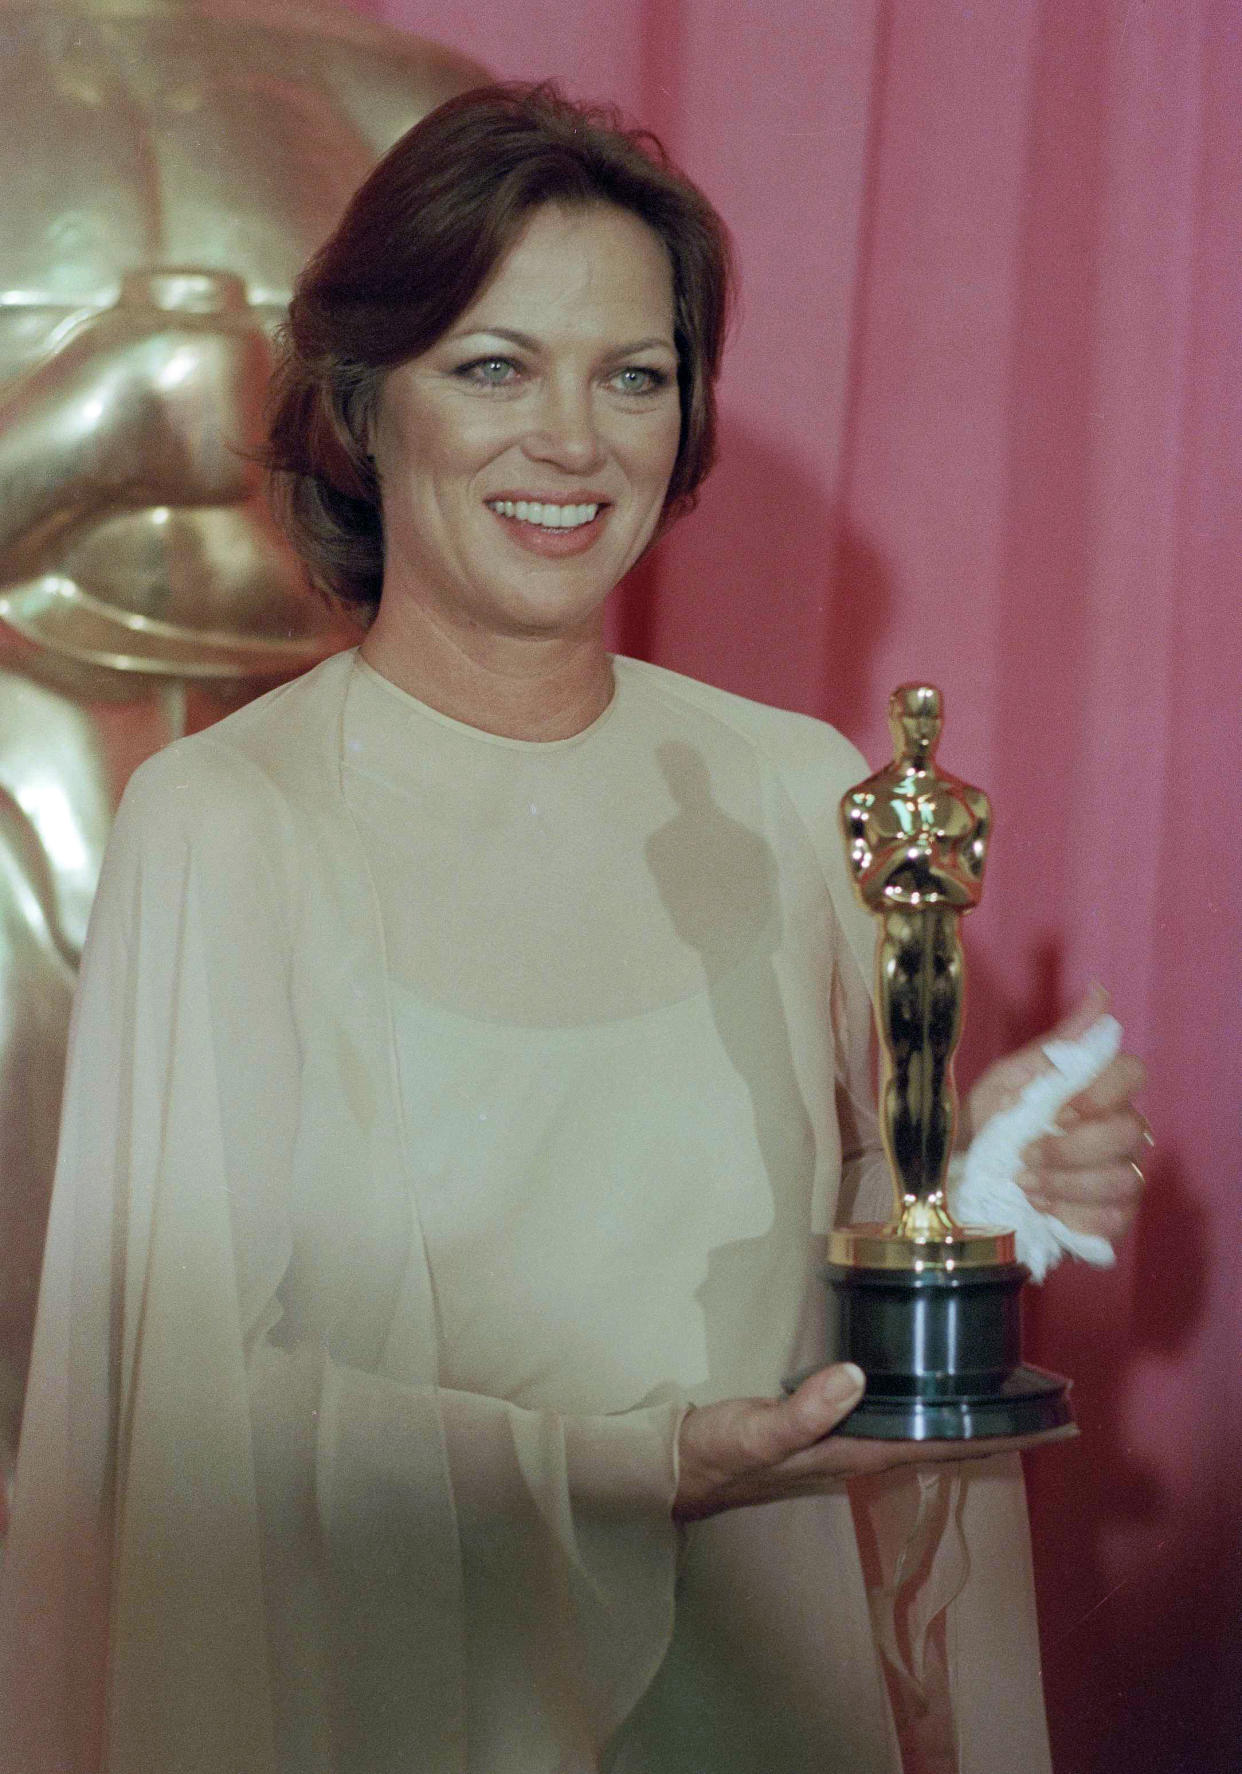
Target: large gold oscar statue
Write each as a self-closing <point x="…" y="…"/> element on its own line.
<point x="169" y="167"/>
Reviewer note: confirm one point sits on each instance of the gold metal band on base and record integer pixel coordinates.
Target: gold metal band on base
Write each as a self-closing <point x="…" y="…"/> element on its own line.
<point x="877" y="1246"/>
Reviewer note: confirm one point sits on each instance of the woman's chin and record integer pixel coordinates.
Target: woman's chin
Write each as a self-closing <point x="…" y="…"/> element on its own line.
<point x="548" y="602"/>
<point x="550" y="619"/>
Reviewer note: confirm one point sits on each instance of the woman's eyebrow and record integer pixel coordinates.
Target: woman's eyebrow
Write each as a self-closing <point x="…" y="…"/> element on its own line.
<point x="656" y="341"/>
<point x="526" y="342"/>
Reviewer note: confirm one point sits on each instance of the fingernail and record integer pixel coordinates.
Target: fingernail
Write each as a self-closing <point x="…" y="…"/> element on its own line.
<point x="1149" y="1138"/>
<point x="843" y="1382"/>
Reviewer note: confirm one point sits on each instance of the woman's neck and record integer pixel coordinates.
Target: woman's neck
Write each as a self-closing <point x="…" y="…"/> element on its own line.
<point x="520" y="687"/>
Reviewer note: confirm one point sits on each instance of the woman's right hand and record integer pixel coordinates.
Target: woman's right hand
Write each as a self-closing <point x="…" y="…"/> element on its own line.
<point x="763" y="1450"/>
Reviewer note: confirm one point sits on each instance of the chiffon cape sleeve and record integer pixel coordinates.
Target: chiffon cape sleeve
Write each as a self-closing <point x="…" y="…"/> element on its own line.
<point x="250" y="1530"/>
<point x="134" y="1518"/>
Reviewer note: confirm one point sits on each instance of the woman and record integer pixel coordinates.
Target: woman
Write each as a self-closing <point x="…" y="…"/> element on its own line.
<point x="452" y="1100"/>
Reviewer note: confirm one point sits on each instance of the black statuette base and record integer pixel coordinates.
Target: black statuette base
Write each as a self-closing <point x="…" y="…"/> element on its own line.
<point x="942" y="1354"/>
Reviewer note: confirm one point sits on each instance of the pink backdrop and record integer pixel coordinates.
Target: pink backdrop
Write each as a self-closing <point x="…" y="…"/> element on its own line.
<point x="983" y="423"/>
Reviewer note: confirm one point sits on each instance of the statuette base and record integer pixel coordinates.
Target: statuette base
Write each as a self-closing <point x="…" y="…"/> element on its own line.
<point x="1030" y="1401"/>
<point x="941" y="1349"/>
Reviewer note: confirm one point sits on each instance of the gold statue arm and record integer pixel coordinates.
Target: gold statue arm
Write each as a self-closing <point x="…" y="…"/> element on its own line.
<point x="974" y="853"/>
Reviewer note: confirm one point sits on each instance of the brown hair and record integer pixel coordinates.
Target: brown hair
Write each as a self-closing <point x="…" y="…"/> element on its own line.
<point x="418" y="241"/>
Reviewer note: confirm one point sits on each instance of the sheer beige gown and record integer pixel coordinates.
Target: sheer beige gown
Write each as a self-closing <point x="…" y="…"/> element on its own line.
<point x="446" y="1114"/>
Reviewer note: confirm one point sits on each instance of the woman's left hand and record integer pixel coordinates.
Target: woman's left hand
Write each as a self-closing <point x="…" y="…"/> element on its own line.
<point x="1088" y="1173"/>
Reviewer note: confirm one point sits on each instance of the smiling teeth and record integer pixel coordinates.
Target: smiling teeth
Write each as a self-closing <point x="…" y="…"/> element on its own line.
<point x="548" y="517"/>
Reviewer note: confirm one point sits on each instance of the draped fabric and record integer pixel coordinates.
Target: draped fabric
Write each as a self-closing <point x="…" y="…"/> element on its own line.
<point x="983" y="424"/>
<point x="300" y="1490"/>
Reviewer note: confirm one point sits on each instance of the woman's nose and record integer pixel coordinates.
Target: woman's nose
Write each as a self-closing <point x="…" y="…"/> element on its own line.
<point x="564" y="431"/>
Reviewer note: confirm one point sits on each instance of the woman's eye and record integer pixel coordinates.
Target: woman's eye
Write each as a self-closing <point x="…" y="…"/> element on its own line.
<point x="490" y="372"/>
<point x="637" y="379"/>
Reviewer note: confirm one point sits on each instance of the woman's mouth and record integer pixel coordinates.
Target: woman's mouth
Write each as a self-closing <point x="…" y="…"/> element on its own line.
<point x="552" y="528"/>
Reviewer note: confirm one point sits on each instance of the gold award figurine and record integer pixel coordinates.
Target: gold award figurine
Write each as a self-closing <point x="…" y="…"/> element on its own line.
<point x="927" y="1308"/>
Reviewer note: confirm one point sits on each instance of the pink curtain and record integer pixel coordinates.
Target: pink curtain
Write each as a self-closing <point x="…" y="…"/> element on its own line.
<point x="983" y="423"/>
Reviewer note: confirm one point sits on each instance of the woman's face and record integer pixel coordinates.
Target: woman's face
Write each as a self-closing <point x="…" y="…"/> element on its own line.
<point x="524" y="457"/>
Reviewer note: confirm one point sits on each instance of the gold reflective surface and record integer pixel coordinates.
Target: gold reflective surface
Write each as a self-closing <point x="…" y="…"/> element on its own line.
<point x="916" y="840"/>
<point x="169" y="167"/>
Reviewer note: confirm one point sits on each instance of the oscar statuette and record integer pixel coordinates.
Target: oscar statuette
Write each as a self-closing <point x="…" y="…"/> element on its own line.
<point x="927" y="1308"/>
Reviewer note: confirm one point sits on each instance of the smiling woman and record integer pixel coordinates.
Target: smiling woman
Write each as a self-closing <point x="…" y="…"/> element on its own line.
<point x="517" y="489"/>
<point x="418" y="247"/>
<point x="524" y="313"/>
<point x="473" y="1051"/>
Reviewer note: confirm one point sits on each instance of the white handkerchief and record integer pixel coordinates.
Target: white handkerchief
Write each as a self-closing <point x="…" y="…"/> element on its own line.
<point x="983" y="1187"/>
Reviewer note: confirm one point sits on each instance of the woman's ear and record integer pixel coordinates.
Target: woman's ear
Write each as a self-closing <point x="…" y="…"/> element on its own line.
<point x="346" y="437"/>
<point x="368" y="423"/>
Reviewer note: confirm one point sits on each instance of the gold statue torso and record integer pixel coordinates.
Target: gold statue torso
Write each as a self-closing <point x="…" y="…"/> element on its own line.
<point x="171" y="167"/>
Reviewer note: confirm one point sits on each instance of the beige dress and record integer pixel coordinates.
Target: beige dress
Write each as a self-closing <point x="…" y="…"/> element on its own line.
<point x="446" y="1114"/>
